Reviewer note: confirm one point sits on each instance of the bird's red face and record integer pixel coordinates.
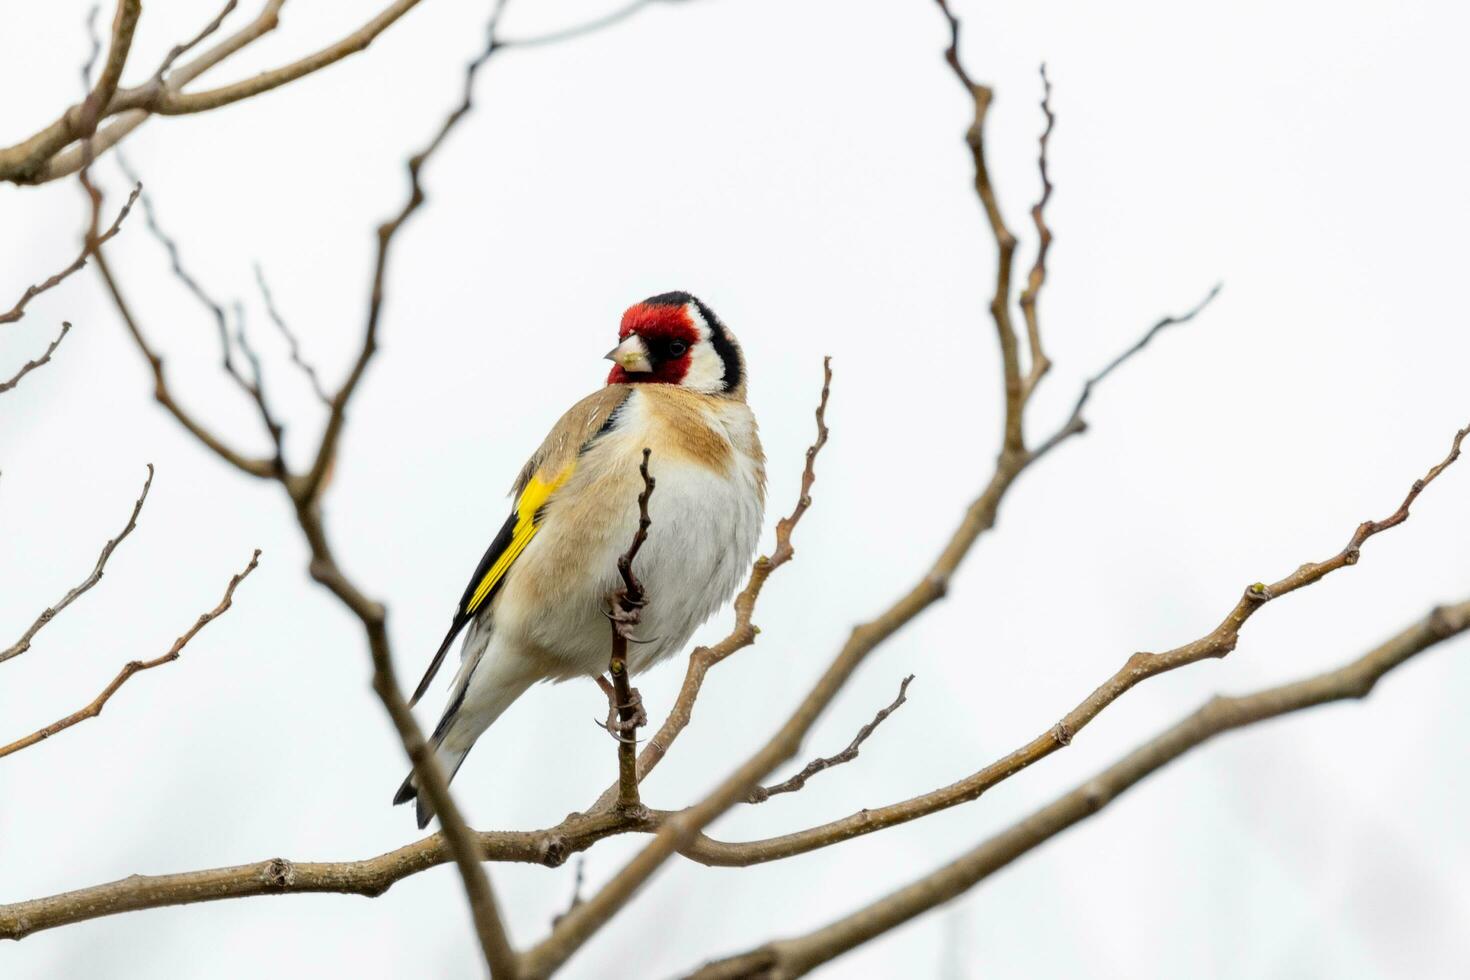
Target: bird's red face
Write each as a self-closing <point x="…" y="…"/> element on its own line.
<point x="657" y="345"/>
<point x="674" y="339"/>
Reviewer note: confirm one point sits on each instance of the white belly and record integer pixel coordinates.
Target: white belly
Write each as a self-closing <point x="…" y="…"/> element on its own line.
<point x="705" y="528"/>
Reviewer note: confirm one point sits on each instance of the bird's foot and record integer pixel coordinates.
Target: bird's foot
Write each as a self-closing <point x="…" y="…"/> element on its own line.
<point x="623" y="719"/>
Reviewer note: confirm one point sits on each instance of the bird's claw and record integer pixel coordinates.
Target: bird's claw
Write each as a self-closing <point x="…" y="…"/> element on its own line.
<point x="620" y="728"/>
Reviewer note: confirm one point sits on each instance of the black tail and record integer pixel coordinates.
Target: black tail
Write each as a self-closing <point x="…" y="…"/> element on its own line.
<point x="449" y="762"/>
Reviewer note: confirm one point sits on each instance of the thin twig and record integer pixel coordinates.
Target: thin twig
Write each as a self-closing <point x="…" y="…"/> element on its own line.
<point x="163" y="394"/>
<point x="19" y="309"/>
<point x="1040" y="363"/>
<point x="24" y="643"/>
<point x="310" y="486"/>
<point x="762" y="793"/>
<point x="1139" y="667"/>
<point x="789" y="958"/>
<point x="550" y="847"/>
<point x="133" y="667"/>
<point x="1013" y="441"/>
<point x="1075" y="424"/>
<point x="30" y="366"/>
<point x="179" y="50"/>
<point x="292" y="344"/>
<point x="744" y="633"/>
<point x="214" y="307"/>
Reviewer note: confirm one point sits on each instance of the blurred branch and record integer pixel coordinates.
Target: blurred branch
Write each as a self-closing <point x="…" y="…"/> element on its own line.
<point x="252" y="465"/>
<point x="1040" y="363"/>
<point x="762" y="793"/>
<point x="252" y="387"/>
<point x="179" y="50"/>
<point x="24" y="643"/>
<point x="133" y="667"/>
<point x="19" y="309"/>
<point x="794" y="957"/>
<point x="292" y="344"/>
<point x="80" y="120"/>
<point x="41" y="158"/>
<point x="30" y="366"/>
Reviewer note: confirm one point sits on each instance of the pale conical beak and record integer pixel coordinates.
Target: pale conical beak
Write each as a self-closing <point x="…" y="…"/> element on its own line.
<point x="631" y="355"/>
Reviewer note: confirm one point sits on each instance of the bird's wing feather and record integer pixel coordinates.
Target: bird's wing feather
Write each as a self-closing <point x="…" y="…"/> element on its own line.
<point x="546" y="471"/>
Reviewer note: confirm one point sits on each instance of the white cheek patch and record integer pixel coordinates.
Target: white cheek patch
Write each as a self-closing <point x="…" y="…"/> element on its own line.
<point x="706" y="369"/>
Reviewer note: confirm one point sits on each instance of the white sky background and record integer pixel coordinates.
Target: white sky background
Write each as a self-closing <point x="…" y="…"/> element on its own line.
<point x="801" y="167"/>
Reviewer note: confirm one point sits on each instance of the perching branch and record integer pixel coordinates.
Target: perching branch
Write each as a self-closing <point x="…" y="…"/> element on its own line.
<point x="133" y="667"/>
<point x="625" y="605"/>
<point x="744" y="633"/>
<point x="762" y="793"/>
<point x="551" y="847"/>
<point x="788" y="958"/>
<point x="24" y="643"/>
<point x="681" y="830"/>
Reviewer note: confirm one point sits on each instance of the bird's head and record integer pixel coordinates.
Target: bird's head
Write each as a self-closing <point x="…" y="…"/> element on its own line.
<point x="675" y="339"/>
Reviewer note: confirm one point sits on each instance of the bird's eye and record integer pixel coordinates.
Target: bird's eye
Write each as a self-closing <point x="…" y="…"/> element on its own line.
<point x="677" y="348"/>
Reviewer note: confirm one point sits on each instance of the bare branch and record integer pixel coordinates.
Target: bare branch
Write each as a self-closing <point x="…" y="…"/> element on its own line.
<point x="1075" y="424"/>
<point x="26" y="162"/>
<point x="1005" y="243"/>
<point x="624" y="607"/>
<point x="744" y="633"/>
<point x="252" y="465"/>
<point x="30" y="366"/>
<point x="176" y="264"/>
<point x="292" y="344"/>
<point x="171" y="102"/>
<point x="1139" y="667"/>
<point x="794" y="957"/>
<point x="80" y="120"/>
<point x="127" y="107"/>
<point x="310" y="486"/>
<point x="551" y="847"/>
<point x="1040" y="363"/>
<point x="762" y="793"/>
<point x="179" y="50"/>
<point x="19" y="309"/>
<point x="24" y="643"/>
<point x="370" y="877"/>
<point x="133" y="667"/>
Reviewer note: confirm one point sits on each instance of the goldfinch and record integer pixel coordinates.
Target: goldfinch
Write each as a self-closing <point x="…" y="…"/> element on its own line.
<point x="535" y="608"/>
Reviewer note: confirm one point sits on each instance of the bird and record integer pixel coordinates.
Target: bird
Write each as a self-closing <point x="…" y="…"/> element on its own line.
<point x="536" y="607"/>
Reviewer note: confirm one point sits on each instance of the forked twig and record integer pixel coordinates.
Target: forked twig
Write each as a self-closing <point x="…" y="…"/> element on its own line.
<point x="94" y="709"/>
<point x="762" y="793"/>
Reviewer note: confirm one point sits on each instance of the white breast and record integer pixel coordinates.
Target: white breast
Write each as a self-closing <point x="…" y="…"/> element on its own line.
<point x="706" y="525"/>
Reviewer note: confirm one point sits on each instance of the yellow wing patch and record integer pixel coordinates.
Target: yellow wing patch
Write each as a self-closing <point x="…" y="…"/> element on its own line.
<point x="532" y="499"/>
